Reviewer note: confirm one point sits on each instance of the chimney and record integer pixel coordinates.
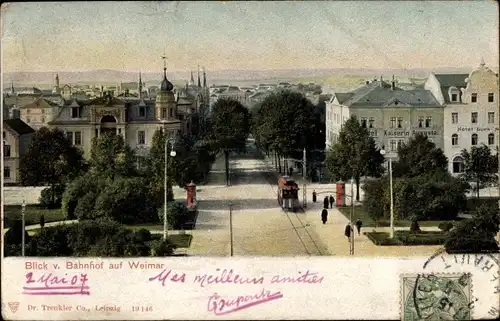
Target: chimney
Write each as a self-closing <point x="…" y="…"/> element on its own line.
<point x="381" y="81"/>
<point x="393" y="83"/>
<point x="367" y="82"/>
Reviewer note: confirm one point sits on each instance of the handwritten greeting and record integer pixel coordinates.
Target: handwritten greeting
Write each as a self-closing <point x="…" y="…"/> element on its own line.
<point x="224" y="305"/>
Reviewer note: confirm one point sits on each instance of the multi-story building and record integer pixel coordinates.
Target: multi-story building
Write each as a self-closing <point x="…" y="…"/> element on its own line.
<point x="470" y="111"/>
<point x="135" y="118"/>
<point x="391" y="115"/>
<point x="17" y="136"/>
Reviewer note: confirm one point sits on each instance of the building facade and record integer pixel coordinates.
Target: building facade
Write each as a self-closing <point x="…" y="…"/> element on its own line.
<point x="391" y="115"/>
<point x="470" y="111"/>
<point x="17" y="136"/>
<point x="134" y="116"/>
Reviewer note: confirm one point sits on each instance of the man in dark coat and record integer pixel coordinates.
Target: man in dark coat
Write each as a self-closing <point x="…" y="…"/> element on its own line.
<point x="325" y="202"/>
<point x="348" y="232"/>
<point x="314" y="196"/>
<point x="324" y="215"/>
<point x="332" y="200"/>
<point x="358" y="225"/>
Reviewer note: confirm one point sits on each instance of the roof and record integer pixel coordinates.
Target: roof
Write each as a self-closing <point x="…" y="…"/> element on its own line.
<point x="375" y="95"/>
<point x="449" y="80"/>
<point x="18" y="126"/>
<point x="341" y="97"/>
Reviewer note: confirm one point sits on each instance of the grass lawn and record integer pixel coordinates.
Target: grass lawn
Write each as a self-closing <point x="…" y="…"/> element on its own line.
<point x="151" y="227"/>
<point x="181" y="240"/>
<point x="359" y="212"/>
<point x="403" y="238"/>
<point x="32" y="214"/>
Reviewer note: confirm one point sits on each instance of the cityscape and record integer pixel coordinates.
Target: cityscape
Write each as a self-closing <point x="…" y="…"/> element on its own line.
<point x="250" y="129"/>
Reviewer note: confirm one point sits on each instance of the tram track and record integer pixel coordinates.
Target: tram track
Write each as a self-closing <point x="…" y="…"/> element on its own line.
<point x="305" y="237"/>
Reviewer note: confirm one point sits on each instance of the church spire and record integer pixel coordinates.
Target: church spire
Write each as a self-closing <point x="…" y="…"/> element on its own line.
<point x="199" y="81"/>
<point x="140" y="85"/>
<point x="191" y="80"/>
<point x="204" y="78"/>
<point x="12" y="91"/>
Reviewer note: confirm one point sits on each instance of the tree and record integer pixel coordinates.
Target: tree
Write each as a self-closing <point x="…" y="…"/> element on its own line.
<point x="162" y="248"/>
<point x="80" y="195"/>
<point x="110" y="156"/>
<point x="126" y="200"/>
<point x="286" y="124"/>
<point x="155" y="163"/>
<point x="419" y="156"/>
<point x="480" y="166"/>
<point x="374" y="200"/>
<point x="477" y="234"/>
<point x="52" y="159"/>
<point x="355" y="155"/>
<point x="15" y="234"/>
<point x="52" y="197"/>
<point x="229" y="126"/>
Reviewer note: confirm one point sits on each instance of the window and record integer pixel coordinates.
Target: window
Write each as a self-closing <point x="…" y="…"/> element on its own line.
<point x="69" y="135"/>
<point x="473" y="118"/>
<point x="164" y="113"/>
<point x="454" y="118"/>
<point x="420" y="121"/>
<point x="6" y="172"/>
<point x="42" y="119"/>
<point x="454" y="140"/>
<point x="141" y="137"/>
<point x="393" y="145"/>
<point x="75" y="112"/>
<point x="142" y="112"/>
<point x="473" y="141"/>
<point x="473" y="98"/>
<point x="6" y="150"/>
<point x="78" y="138"/>
<point x="28" y="120"/>
<point x="28" y="111"/>
<point x="4" y="134"/>
<point x="400" y="122"/>
<point x="363" y="122"/>
<point x="454" y="97"/>
<point x="400" y="143"/>
<point x="170" y="112"/>
<point x="491" y="117"/>
<point x="428" y="121"/>
<point x="371" y="122"/>
<point x="491" y="139"/>
<point x="458" y="164"/>
<point x="43" y="111"/>
<point x="393" y="122"/>
<point x="491" y="97"/>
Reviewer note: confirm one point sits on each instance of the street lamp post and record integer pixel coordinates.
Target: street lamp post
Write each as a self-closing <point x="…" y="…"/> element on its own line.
<point x="172" y="153"/>
<point x="23" y="241"/>
<point x="352" y="214"/>
<point x="391" y="232"/>
<point x="231" y="225"/>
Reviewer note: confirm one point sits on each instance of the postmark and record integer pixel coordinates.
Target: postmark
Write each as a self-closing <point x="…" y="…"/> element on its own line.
<point x="442" y="267"/>
<point x="440" y="296"/>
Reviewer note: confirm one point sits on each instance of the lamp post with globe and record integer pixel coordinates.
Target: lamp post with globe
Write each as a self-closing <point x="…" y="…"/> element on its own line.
<point x="391" y="232"/>
<point x="172" y="153"/>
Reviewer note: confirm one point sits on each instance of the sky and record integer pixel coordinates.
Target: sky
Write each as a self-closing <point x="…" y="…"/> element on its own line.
<point x="253" y="35"/>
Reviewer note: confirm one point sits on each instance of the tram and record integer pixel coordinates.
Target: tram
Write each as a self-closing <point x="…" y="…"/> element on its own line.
<point x="288" y="194"/>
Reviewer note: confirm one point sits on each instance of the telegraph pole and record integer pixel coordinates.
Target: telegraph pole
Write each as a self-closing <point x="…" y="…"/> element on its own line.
<point x="304" y="170"/>
<point x="231" y="225"/>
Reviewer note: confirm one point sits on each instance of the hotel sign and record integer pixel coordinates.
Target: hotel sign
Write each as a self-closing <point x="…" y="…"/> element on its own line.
<point x="475" y="129"/>
<point x="405" y="133"/>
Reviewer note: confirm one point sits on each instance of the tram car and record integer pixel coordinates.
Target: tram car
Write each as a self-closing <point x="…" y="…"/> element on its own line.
<point x="288" y="194"/>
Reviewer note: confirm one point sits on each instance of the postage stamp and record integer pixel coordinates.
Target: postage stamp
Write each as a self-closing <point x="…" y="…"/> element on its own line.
<point x="440" y="296"/>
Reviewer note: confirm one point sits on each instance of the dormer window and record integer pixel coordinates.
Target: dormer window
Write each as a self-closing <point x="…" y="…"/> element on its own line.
<point x="474" y="98"/>
<point x="75" y="112"/>
<point x="142" y="111"/>
<point x="454" y="97"/>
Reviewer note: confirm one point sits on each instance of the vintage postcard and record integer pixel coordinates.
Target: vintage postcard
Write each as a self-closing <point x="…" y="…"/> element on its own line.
<point x="250" y="160"/>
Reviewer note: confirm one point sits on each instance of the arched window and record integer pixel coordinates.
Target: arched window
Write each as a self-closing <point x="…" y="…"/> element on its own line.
<point x="491" y="139"/>
<point x="458" y="164"/>
<point x="473" y="141"/>
<point x="454" y="140"/>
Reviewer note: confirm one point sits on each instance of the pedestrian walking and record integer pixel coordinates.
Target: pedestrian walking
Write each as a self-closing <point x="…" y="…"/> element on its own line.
<point x="332" y="200"/>
<point x="324" y="215"/>
<point x="290" y="170"/>
<point x="314" y="196"/>
<point x="358" y="225"/>
<point x="348" y="232"/>
<point x="325" y="202"/>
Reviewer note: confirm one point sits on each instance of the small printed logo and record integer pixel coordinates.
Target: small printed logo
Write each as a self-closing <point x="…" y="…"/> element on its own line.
<point x="13" y="306"/>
